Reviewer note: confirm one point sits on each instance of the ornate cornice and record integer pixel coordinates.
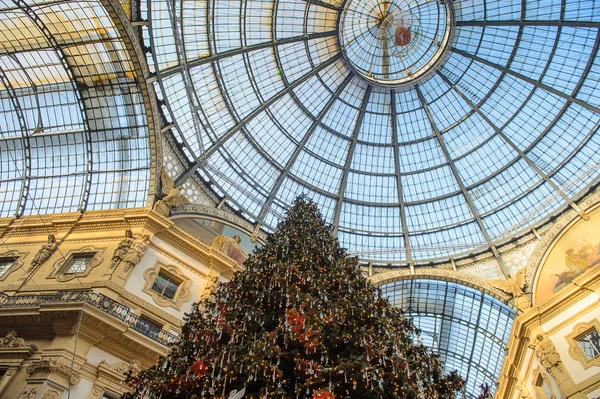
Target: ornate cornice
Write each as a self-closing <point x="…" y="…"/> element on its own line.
<point x="50" y="366"/>
<point x="199" y="251"/>
<point x="13" y="342"/>
<point x="440" y="274"/>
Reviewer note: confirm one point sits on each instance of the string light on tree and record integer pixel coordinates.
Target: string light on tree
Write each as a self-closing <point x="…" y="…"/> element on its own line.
<point x="301" y="321"/>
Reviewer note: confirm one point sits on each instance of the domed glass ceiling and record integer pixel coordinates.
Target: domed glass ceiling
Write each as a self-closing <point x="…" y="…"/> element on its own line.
<point x="74" y="132"/>
<point x="424" y="129"/>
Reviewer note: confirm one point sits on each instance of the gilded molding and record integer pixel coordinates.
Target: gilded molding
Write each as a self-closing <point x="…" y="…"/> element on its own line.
<point x="440" y="274"/>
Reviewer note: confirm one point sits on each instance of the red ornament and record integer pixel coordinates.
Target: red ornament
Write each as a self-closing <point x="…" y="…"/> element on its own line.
<point x="200" y="367"/>
<point x="323" y="395"/>
<point x="402" y="36"/>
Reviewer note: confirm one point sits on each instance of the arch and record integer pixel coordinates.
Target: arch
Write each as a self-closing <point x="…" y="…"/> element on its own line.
<point x="457" y="277"/>
<point x="545" y="254"/>
<point x="467" y="327"/>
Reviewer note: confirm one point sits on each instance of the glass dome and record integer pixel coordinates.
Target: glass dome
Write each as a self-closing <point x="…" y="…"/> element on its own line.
<point x="74" y="132"/>
<point x="490" y="130"/>
<point x="467" y="328"/>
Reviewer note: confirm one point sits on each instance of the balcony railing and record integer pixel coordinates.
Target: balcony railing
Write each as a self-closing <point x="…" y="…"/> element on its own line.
<point x="98" y="301"/>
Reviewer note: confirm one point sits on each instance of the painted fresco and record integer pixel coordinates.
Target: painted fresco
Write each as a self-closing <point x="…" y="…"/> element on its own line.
<point x="575" y="252"/>
<point x="226" y="239"/>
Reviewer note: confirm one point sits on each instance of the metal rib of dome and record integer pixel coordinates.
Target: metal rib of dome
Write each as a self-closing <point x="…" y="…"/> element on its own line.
<point x="467" y="328"/>
<point x="499" y="137"/>
<point x="73" y="132"/>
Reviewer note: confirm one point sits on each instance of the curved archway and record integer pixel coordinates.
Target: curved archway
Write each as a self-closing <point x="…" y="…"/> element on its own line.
<point x="467" y="327"/>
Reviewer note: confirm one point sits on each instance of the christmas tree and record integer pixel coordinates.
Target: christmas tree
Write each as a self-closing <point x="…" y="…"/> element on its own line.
<point x="301" y="321"/>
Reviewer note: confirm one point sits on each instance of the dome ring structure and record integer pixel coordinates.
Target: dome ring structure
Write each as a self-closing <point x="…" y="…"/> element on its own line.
<point x="395" y="42"/>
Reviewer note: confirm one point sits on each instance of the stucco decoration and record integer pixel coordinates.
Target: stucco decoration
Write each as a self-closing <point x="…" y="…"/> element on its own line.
<point x="30" y="392"/>
<point x="12" y="341"/>
<point x="485" y="269"/>
<point x="54" y="366"/>
<point x="514" y="287"/>
<point x="17" y="264"/>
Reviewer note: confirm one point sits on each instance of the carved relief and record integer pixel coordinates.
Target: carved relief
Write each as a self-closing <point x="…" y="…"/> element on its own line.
<point x="58" y="266"/>
<point x="135" y="253"/>
<point x="172" y="195"/>
<point x="97" y="390"/>
<point x="50" y="394"/>
<point x="122" y="249"/>
<point x="44" y="253"/>
<point x="524" y="392"/>
<point x="12" y="341"/>
<point x="514" y="287"/>
<point x="547" y="354"/>
<point x="172" y="271"/>
<point x="29" y="392"/>
<point x="54" y="366"/>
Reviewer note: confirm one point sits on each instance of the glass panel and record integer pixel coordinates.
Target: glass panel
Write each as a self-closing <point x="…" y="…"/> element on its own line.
<point x="590" y="343"/>
<point x="468" y="329"/>
<point x="165" y="286"/>
<point x="79" y="263"/>
<point x="5" y="265"/>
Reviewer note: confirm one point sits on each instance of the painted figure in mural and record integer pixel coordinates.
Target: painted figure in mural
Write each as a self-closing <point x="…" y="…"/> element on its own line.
<point x="172" y="195"/>
<point x="45" y="252"/>
<point x="136" y="252"/>
<point x="576" y="262"/>
<point x="122" y="249"/>
<point x="230" y="246"/>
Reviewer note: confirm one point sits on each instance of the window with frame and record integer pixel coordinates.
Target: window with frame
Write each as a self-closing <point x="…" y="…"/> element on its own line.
<point x="542" y="386"/>
<point x="78" y="263"/>
<point x="166" y="285"/>
<point x="6" y="263"/>
<point x="590" y="343"/>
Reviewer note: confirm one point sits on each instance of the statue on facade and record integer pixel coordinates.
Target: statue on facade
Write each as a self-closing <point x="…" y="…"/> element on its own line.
<point x="136" y="252"/>
<point x="514" y="287"/>
<point x="122" y="249"/>
<point x="546" y="353"/>
<point x="172" y="195"/>
<point x="45" y="252"/>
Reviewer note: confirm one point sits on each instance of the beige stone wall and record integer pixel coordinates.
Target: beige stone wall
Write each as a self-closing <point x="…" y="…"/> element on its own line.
<point x="544" y="358"/>
<point x="80" y="331"/>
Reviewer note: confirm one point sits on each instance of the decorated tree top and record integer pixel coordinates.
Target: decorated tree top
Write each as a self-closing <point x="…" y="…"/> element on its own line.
<point x="301" y="321"/>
